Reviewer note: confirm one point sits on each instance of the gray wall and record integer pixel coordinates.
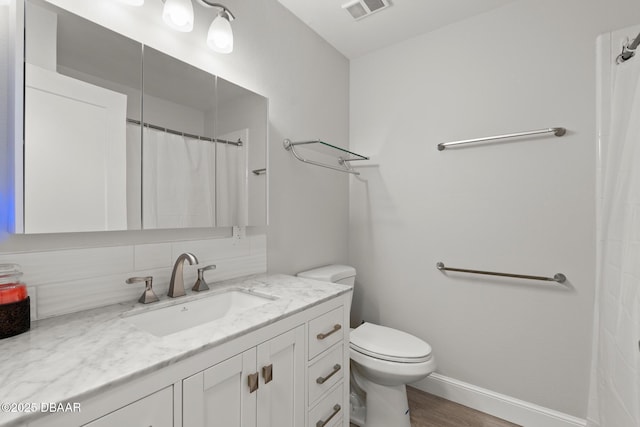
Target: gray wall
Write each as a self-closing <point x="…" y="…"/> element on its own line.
<point x="306" y="81"/>
<point x="524" y="206"/>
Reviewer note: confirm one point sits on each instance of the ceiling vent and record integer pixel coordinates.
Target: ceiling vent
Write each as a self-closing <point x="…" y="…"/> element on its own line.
<point x="362" y="8"/>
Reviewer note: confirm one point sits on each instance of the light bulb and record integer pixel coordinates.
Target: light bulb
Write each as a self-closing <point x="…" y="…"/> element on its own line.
<point x="132" y="2"/>
<point x="220" y="36"/>
<point x="178" y="14"/>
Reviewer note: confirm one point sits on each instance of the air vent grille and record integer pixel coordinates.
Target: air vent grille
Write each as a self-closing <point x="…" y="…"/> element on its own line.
<point x="359" y="9"/>
<point x="374" y="5"/>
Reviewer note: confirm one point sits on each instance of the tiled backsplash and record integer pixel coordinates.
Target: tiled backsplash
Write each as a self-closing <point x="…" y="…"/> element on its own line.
<point x="66" y="281"/>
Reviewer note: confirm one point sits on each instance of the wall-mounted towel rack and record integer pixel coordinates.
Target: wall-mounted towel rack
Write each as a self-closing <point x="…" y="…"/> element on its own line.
<point x="559" y="277"/>
<point x="555" y="131"/>
<point x="628" y="50"/>
<point x="341" y="152"/>
<point x="259" y="171"/>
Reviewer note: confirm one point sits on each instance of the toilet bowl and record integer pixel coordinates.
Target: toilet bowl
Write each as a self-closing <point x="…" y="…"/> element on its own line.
<point x="383" y="361"/>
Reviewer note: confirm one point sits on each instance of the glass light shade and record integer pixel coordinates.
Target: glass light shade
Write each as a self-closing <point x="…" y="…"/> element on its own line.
<point x="178" y="14"/>
<point x="220" y="36"/>
<point x="132" y="2"/>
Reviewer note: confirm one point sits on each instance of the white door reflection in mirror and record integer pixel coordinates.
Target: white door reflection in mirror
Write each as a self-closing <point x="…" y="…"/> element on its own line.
<point x="84" y="190"/>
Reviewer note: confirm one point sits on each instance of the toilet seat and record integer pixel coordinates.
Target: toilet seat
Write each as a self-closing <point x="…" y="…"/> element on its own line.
<point x="388" y="373"/>
<point x="389" y="344"/>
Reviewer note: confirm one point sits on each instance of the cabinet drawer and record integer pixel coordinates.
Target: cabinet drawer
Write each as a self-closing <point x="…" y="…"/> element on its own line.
<point x="330" y="411"/>
<point x="325" y="331"/>
<point x="155" y="410"/>
<point x="325" y="373"/>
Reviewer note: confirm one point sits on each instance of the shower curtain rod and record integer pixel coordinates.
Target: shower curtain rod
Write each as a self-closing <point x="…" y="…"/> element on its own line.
<point x="628" y="50"/>
<point x="237" y="143"/>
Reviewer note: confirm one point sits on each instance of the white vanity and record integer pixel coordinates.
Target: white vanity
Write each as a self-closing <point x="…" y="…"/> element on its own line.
<point x="280" y="363"/>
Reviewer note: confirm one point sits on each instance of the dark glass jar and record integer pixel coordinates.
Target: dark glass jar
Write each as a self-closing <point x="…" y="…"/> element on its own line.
<point x="15" y="313"/>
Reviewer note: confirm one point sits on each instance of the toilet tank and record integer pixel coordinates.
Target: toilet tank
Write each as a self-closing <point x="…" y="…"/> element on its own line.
<point x="333" y="273"/>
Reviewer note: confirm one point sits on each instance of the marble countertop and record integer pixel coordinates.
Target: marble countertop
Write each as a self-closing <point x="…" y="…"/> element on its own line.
<point x="70" y="358"/>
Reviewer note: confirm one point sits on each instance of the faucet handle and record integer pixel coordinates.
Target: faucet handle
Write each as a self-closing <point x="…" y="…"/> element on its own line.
<point x="201" y="284"/>
<point x="148" y="296"/>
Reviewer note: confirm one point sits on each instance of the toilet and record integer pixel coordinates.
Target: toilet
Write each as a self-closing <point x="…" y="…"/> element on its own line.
<point x="383" y="361"/>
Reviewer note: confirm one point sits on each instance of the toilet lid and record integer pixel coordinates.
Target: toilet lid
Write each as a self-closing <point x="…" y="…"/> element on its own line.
<point x="390" y="344"/>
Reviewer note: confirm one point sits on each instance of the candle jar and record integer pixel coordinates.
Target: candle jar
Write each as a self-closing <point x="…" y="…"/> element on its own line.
<point x="15" y="313"/>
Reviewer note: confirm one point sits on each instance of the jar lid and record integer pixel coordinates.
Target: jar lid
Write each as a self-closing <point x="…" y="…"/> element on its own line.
<point x="10" y="270"/>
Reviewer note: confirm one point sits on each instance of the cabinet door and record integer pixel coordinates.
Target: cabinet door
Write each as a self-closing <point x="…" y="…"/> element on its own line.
<point x="155" y="410"/>
<point x="220" y="396"/>
<point x="281" y="366"/>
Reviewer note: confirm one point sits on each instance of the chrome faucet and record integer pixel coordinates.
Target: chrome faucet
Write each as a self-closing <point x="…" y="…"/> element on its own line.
<point x="176" y="285"/>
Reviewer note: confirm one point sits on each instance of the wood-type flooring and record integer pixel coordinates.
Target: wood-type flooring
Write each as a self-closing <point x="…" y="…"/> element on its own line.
<point x="428" y="410"/>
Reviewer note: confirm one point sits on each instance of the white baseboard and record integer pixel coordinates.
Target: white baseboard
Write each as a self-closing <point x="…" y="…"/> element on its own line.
<point x="499" y="405"/>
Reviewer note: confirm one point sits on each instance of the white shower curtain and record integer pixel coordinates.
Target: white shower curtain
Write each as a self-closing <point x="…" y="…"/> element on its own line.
<point x="231" y="193"/>
<point x="134" y="176"/>
<point x="615" y="379"/>
<point x="178" y="181"/>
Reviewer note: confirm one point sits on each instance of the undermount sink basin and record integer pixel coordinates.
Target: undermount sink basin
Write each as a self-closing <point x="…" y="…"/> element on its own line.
<point x="178" y="317"/>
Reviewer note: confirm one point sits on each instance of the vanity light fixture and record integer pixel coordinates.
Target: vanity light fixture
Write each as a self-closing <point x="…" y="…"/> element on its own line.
<point x="220" y="35"/>
<point x="178" y="14"/>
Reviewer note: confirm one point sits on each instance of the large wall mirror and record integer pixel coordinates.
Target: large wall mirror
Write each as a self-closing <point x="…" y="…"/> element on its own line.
<point x="120" y="136"/>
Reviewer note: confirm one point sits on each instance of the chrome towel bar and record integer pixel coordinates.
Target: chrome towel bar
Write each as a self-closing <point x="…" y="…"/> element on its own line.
<point x="555" y="131"/>
<point x="559" y="277"/>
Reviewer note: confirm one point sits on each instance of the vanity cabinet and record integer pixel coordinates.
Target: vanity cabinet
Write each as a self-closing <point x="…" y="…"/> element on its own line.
<point x="260" y="387"/>
<point x="155" y="410"/>
<point x="292" y="372"/>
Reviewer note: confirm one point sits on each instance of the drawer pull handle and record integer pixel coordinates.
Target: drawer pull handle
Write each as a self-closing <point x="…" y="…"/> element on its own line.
<point x="267" y="373"/>
<point x="336" y="409"/>
<point x="322" y="380"/>
<point x="335" y="329"/>
<point x="253" y="382"/>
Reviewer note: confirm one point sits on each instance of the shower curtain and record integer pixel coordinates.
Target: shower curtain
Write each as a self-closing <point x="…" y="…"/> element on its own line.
<point x="615" y="378"/>
<point x="231" y="193"/>
<point x="178" y="177"/>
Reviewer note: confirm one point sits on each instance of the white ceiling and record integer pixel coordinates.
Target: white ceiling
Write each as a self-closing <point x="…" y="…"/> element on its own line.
<point x="403" y="20"/>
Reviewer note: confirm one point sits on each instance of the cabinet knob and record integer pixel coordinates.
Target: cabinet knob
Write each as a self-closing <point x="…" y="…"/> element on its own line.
<point x="335" y="329"/>
<point x="267" y="373"/>
<point x="336" y="409"/>
<point x="253" y="382"/>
